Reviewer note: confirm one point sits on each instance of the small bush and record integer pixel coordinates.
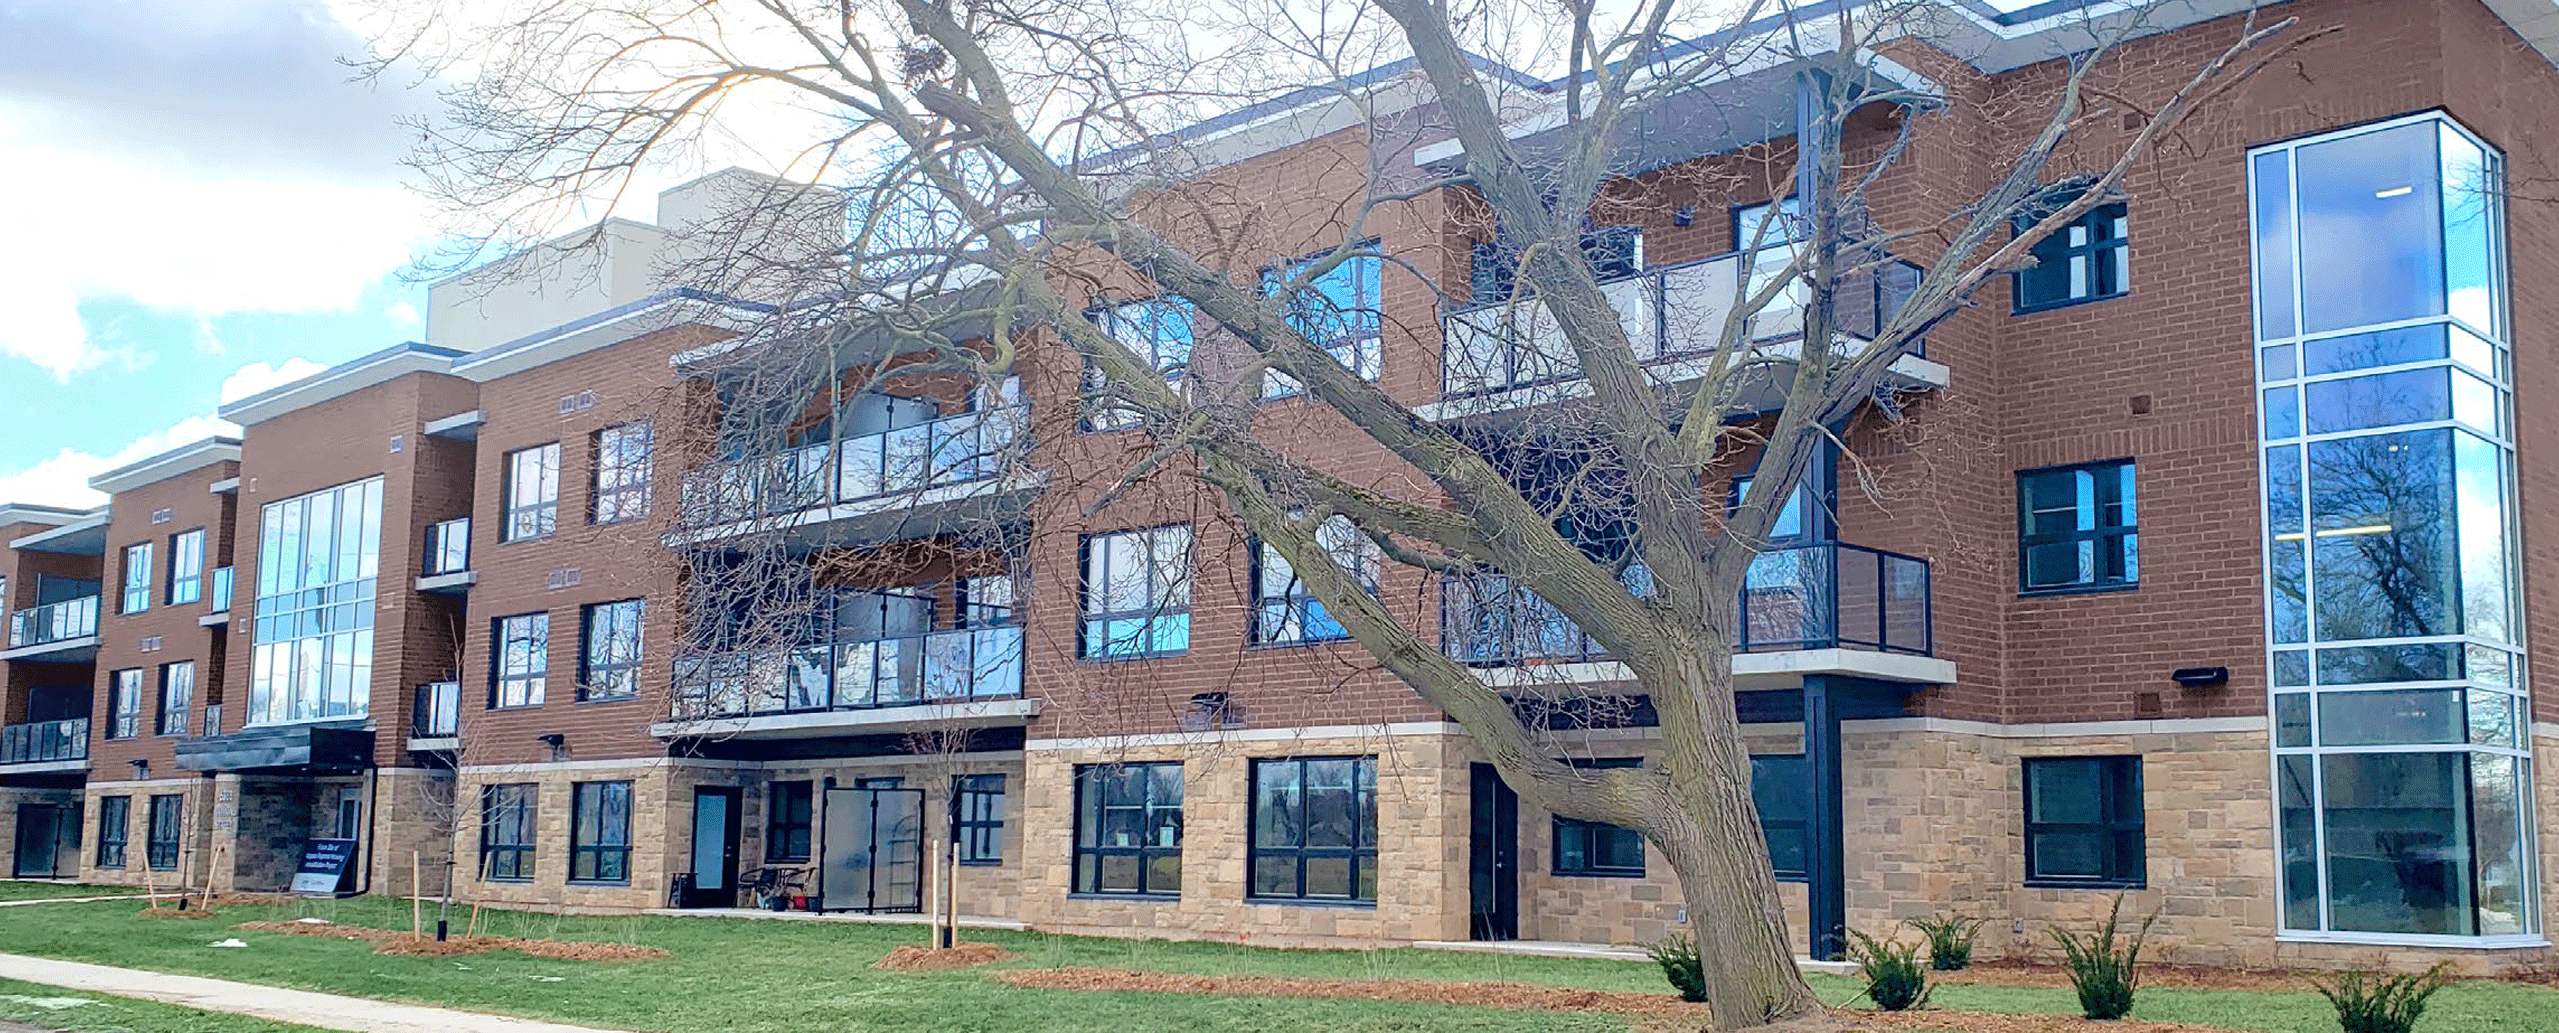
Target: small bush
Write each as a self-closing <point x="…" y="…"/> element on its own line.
<point x="1894" y="979"/>
<point x="1678" y="958"/>
<point x="2370" y="1002"/>
<point x="1950" y="940"/>
<point x="2102" y="964"/>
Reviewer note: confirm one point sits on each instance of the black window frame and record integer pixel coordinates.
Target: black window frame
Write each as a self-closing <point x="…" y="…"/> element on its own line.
<point x="164" y="831"/>
<point x="594" y="858"/>
<point x="185" y="585"/>
<point x="1085" y="880"/>
<point x="1087" y="593"/>
<point x="135" y="596"/>
<point x="790" y="818"/>
<point x="1363" y="838"/>
<point x="627" y="492"/>
<point x="542" y="513"/>
<point x="1273" y="613"/>
<point x="2109" y="258"/>
<point x="124" y="703"/>
<point x="1095" y="415"/>
<point x="168" y="719"/>
<point x="977" y="818"/>
<point x="2125" y="868"/>
<point x="115" y="830"/>
<point x="535" y="679"/>
<point x="1590" y="834"/>
<point x="611" y="677"/>
<point x="510" y="810"/>
<point x="2126" y="539"/>
<point x="1768" y="783"/>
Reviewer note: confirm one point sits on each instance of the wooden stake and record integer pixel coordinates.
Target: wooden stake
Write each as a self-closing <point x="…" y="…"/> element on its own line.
<point x="417" y="904"/>
<point x="475" y="921"/>
<point x="933" y="906"/>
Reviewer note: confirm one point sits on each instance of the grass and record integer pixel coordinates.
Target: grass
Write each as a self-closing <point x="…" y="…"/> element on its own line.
<point x="24" y="889"/>
<point x="788" y="977"/>
<point x="47" y="1007"/>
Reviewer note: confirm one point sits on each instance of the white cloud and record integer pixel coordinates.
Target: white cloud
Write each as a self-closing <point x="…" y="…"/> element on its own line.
<point x="259" y="376"/>
<point x="63" y="479"/>
<point x="402" y="312"/>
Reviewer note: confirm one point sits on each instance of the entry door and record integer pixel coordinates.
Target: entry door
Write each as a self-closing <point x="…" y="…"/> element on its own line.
<point x="871" y="853"/>
<point x="39" y="842"/>
<point x="1494" y="865"/>
<point x="350" y="817"/>
<point x="715" y="836"/>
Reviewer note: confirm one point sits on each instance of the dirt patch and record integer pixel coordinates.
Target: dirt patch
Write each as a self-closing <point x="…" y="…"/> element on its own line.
<point x="2018" y="972"/>
<point x="252" y="900"/>
<point x="911" y="958"/>
<point x="393" y="941"/>
<point x="175" y="912"/>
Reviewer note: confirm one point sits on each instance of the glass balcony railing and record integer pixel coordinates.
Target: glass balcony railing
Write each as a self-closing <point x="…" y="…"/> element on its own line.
<point x="448" y="548"/>
<point x="1669" y="313"/>
<point x="42" y="741"/>
<point x="1808" y="597"/>
<point x="958" y="449"/>
<point x="956" y="665"/>
<point x="435" y="710"/>
<point x="54" y="622"/>
<point x="219" y="599"/>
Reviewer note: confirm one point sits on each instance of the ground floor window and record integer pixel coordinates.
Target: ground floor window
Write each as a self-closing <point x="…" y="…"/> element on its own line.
<point x="1314" y="829"/>
<point x="787" y="810"/>
<point x="2427" y="843"/>
<point x="167" y="821"/>
<point x="977" y="818"/>
<point x="1128" y="829"/>
<point x="2084" y="822"/>
<point x="115" y="818"/>
<point x="1781" y="784"/>
<point x="1589" y="848"/>
<point x="600" y="832"/>
<point x="506" y="832"/>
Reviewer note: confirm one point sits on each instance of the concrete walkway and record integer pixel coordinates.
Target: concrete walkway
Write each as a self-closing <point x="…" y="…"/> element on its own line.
<point x="75" y="900"/>
<point x="327" y="1011"/>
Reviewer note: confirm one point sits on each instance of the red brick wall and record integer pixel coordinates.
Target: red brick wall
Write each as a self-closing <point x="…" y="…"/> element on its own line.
<point x="191" y="504"/>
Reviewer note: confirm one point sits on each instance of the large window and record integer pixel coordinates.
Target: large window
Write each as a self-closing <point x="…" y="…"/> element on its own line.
<point x="1781" y="786"/>
<point x="788" y="811"/>
<point x="2398" y="704"/>
<point x="1337" y="310"/>
<point x="977" y="813"/>
<point x="506" y="831"/>
<point x="186" y="567"/>
<point x="167" y="825"/>
<point x="1128" y="829"/>
<point x="1591" y="848"/>
<point x="522" y="661"/>
<point x="532" y="493"/>
<point x="177" y="697"/>
<point x="124" y="704"/>
<point x="1284" y="611"/>
<point x="2084" y="822"/>
<point x="600" y="832"/>
<point x="137" y="578"/>
<point x="318" y="555"/>
<point x="609" y="661"/>
<point x="1161" y="331"/>
<point x="115" y="823"/>
<point x="1136" y="593"/>
<point x="624" y="462"/>
<point x="1314" y="829"/>
<point x="2075" y="528"/>
<point x="2083" y="261"/>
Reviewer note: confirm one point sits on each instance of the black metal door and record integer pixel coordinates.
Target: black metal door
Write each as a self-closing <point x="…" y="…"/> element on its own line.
<point x="715" y="838"/>
<point x="39" y="841"/>
<point x="871" y="850"/>
<point x="1494" y="864"/>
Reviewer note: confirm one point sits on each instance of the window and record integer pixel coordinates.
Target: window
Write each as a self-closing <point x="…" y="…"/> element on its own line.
<point x="124" y="704"/>
<point x="2083" y="261"/>
<point x="186" y="567"/>
<point x="624" y="463"/>
<point x="160" y="851"/>
<point x="318" y="555"/>
<point x="788" y="807"/>
<point x="177" y="697"/>
<point x="1136" y="593"/>
<point x="1614" y="253"/>
<point x="1780" y="785"/>
<point x="600" y="832"/>
<point x="978" y="818"/>
<point x="523" y="657"/>
<point x="1314" y="829"/>
<point x="1128" y="829"/>
<point x="115" y="818"/>
<point x="137" y="578"/>
<point x="1159" y="330"/>
<point x="2083" y="822"/>
<point x="1591" y="848"/>
<point x="609" y="662"/>
<point x="506" y="832"/>
<point x="1337" y="310"/>
<point x="2075" y="528"/>
<point x="532" y="492"/>
<point x="1284" y="611"/>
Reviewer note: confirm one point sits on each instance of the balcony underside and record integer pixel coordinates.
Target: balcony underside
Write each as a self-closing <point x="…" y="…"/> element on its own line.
<point x="828" y="724"/>
<point x="1778" y="670"/>
<point x="313" y="749"/>
<point x="45" y="767"/>
<point x="68" y="651"/>
<point x="1765" y="391"/>
<point x="920" y="514"/>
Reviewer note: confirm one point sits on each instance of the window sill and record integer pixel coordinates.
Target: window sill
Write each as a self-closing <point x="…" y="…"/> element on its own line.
<point x="1302" y="643"/>
<point x="496" y="709"/>
<point x="996" y="863"/>
<point x="528" y="539"/>
<point x="582" y="700"/>
<point x="2037" y="593"/>
<point x="1131" y="658"/>
<point x="1152" y="898"/>
<point x="2087" y="884"/>
<point x="2055" y="306"/>
<point x="604" y="883"/>
<point x="1356" y="905"/>
<point x="1599" y="873"/>
<point x="524" y="881"/>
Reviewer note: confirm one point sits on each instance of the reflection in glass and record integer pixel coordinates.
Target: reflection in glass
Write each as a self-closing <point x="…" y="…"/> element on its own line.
<point x="2371" y="242"/>
<point x="2398" y="836"/>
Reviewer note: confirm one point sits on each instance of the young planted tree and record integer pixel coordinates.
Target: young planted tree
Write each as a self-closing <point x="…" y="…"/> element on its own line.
<point x="1014" y="166"/>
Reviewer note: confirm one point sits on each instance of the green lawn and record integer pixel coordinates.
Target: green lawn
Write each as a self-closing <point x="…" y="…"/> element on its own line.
<point x="53" y="1008"/>
<point x="789" y="977"/>
<point x="24" y="889"/>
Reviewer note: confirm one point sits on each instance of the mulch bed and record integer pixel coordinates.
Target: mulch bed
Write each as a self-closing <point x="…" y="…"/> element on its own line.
<point x="912" y="958"/>
<point x="175" y="912"/>
<point x="393" y="941"/>
<point x="2022" y="972"/>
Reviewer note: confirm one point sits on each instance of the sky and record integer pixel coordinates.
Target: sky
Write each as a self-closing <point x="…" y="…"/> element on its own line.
<point x="203" y="206"/>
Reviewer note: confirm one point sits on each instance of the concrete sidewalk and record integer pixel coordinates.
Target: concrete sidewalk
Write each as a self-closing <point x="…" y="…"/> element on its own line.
<point x="327" y="1011"/>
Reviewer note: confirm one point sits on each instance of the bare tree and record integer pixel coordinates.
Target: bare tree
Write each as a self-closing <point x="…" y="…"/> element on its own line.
<point x="1024" y="202"/>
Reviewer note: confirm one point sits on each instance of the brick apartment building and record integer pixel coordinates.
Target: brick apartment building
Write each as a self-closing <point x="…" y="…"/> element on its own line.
<point x="2175" y="595"/>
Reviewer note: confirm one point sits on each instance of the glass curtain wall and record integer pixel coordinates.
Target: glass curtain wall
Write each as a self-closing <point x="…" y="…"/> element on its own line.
<point x="2393" y="615"/>
<point x="318" y="556"/>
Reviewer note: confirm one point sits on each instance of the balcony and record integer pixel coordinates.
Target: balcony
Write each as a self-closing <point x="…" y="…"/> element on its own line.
<point x="863" y="489"/>
<point x="1511" y="355"/>
<point x="1811" y="609"/>
<point x="957" y="678"/>
<point x="445" y="563"/>
<point x="435" y="717"/>
<point x="217" y="599"/>
<point x="45" y="746"/>
<point x="60" y="631"/>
